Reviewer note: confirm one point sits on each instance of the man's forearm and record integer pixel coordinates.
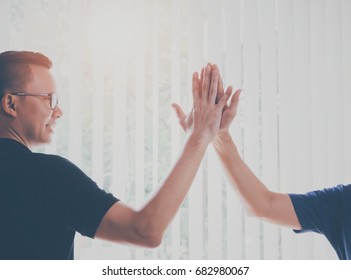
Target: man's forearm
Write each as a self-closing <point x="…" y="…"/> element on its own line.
<point x="252" y="191"/>
<point x="146" y="226"/>
<point x="259" y="201"/>
<point x="156" y="215"/>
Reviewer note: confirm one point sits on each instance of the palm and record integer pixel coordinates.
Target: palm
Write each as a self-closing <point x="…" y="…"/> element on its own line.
<point x="208" y="120"/>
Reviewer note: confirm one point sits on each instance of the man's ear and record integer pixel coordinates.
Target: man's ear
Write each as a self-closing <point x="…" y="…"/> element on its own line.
<point x="8" y="105"/>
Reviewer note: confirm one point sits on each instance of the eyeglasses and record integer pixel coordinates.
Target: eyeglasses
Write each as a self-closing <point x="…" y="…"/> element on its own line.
<point x="52" y="96"/>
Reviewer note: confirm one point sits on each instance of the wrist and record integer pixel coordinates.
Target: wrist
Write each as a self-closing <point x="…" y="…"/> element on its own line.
<point x="222" y="135"/>
<point x="198" y="140"/>
<point x="222" y="139"/>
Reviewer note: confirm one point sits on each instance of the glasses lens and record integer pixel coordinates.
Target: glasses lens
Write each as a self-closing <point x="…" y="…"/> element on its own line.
<point x="54" y="101"/>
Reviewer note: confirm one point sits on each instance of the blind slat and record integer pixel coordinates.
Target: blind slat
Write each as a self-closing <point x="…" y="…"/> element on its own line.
<point x="233" y="76"/>
<point x="268" y="88"/>
<point x="251" y="107"/>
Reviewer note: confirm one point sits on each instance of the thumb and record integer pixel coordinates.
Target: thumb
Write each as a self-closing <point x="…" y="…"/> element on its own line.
<point x="180" y="114"/>
<point x="235" y="101"/>
<point x="179" y="111"/>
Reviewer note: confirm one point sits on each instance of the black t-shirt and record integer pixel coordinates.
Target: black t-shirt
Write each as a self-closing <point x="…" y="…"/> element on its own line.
<point x="44" y="200"/>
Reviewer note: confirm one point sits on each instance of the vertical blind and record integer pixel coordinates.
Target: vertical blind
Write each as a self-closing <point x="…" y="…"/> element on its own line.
<point x="120" y="64"/>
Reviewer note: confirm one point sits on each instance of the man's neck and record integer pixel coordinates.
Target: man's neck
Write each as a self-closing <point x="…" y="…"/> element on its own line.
<point x="10" y="134"/>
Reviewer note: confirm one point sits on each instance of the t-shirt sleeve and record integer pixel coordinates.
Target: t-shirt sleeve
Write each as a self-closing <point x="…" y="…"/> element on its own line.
<point x="319" y="211"/>
<point x="72" y="197"/>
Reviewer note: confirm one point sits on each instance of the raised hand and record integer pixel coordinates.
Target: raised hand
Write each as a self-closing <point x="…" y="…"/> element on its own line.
<point x="204" y="120"/>
<point x="229" y="111"/>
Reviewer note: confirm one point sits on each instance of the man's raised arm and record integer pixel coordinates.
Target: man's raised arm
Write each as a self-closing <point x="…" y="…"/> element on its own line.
<point x="146" y="226"/>
<point x="258" y="200"/>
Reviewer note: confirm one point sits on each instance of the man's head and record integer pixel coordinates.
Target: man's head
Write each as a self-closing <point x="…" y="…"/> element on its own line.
<point x="26" y="90"/>
<point x="15" y="72"/>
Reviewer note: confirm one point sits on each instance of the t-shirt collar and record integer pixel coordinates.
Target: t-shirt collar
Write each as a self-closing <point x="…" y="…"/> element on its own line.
<point x="11" y="145"/>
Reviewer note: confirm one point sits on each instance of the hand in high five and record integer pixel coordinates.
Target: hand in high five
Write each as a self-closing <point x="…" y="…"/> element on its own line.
<point x="229" y="111"/>
<point x="215" y="97"/>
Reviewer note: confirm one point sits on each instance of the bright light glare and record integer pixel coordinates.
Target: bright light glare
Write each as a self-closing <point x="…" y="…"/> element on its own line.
<point x="114" y="30"/>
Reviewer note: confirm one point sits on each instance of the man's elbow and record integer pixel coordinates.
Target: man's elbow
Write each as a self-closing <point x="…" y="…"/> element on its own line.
<point x="150" y="235"/>
<point x="153" y="241"/>
<point x="262" y="210"/>
<point x="254" y="213"/>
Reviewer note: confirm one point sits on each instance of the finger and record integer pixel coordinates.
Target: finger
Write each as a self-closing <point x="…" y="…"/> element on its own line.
<point x="220" y="92"/>
<point x="202" y="76"/>
<point x="214" y="86"/>
<point x="196" y="89"/>
<point x="180" y="114"/>
<point x="206" y="84"/>
<point x="223" y="101"/>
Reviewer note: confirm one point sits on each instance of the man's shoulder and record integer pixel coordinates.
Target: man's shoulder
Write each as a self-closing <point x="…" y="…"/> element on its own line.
<point x="327" y="196"/>
<point x="48" y="157"/>
<point x="340" y="189"/>
<point x="50" y="160"/>
<point x="339" y="195"/>
<point x="61" y="171"/>
<point x="345" y="191"/>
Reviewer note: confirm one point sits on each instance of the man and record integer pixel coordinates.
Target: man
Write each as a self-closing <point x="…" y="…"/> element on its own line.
<point x="45" y="199"/>
<point x="325" y="211"/>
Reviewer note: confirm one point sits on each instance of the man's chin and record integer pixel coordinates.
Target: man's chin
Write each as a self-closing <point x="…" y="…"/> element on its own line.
<point x="47" y="140"/>
<point x="42" y="141"/>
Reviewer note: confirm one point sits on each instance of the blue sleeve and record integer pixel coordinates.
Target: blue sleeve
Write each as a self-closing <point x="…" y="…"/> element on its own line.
<point x="319" y="211"/>
<point x="72" y="198"/>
